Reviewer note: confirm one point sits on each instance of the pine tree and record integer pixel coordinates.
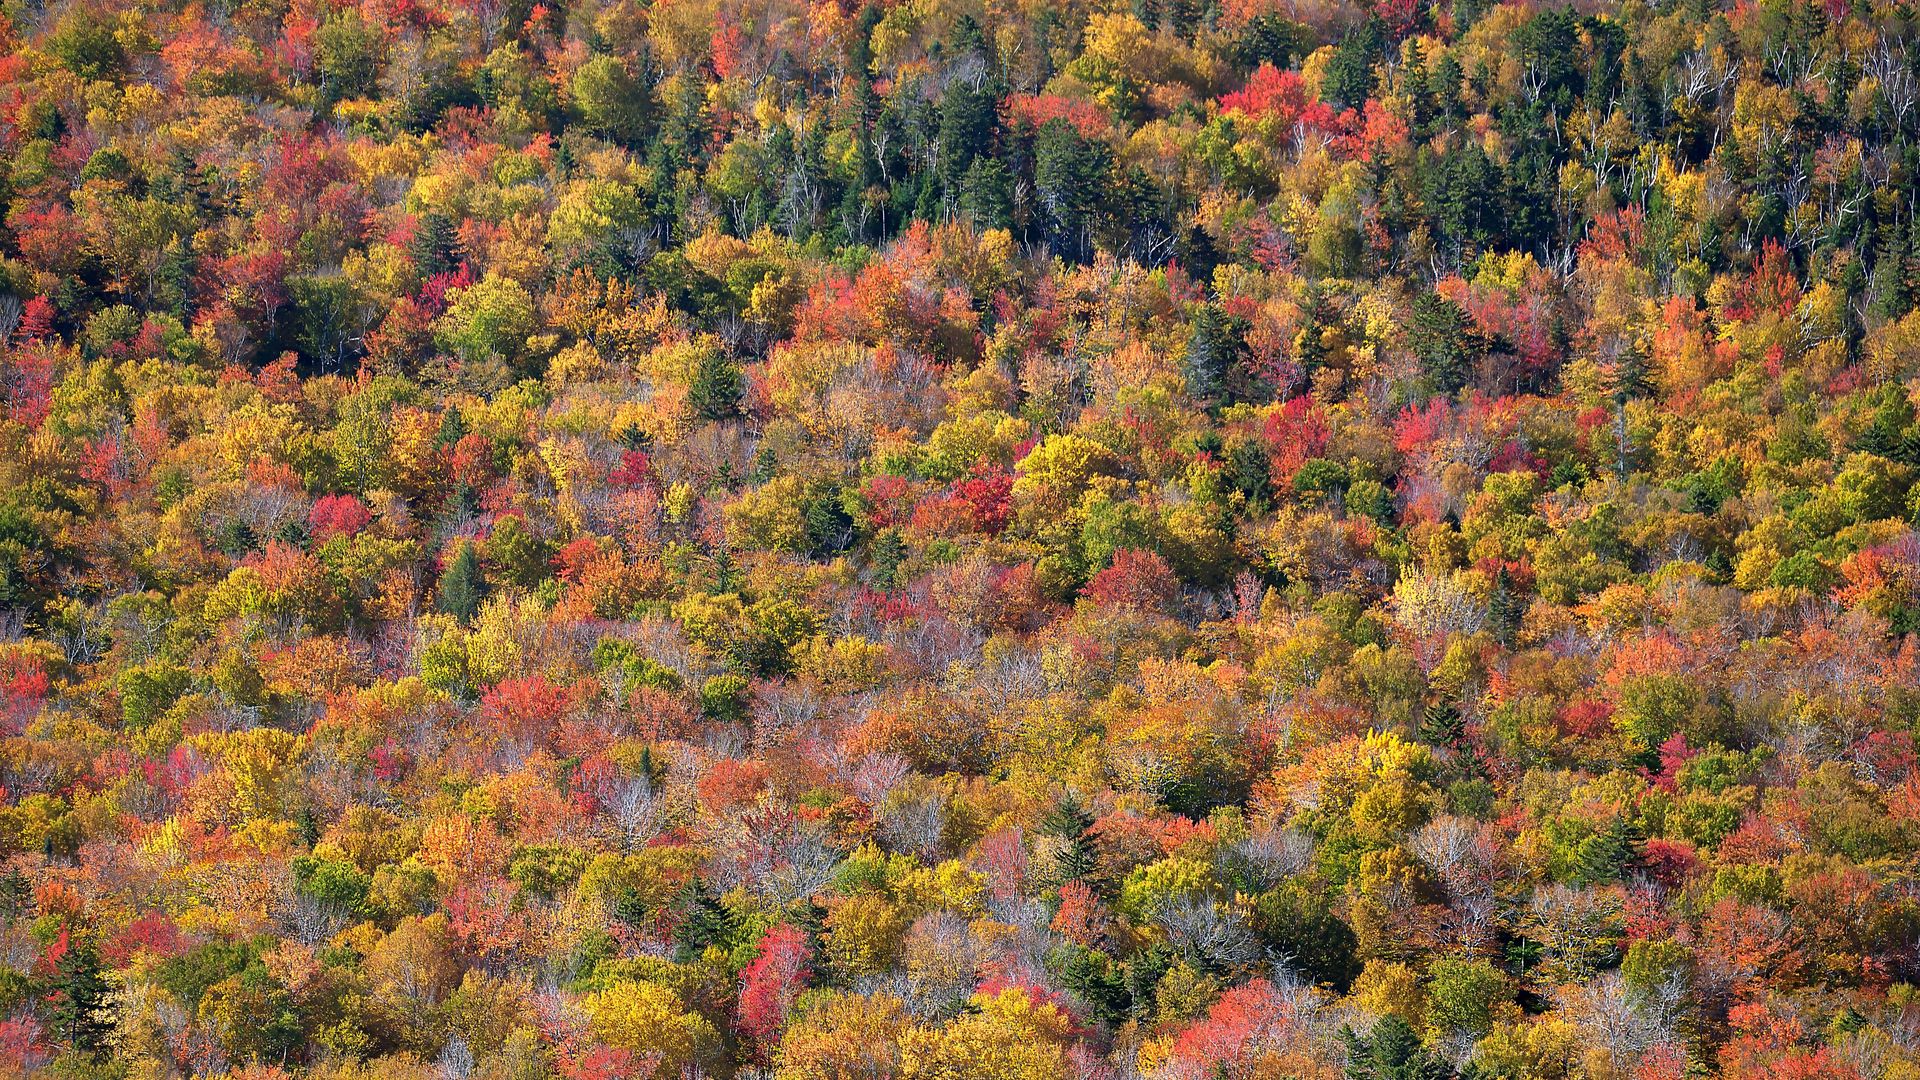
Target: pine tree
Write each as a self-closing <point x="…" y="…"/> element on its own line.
<point x="453" y="428"/>
<point x="829" y="527"/>
<point x="1069" y="175"/>
<point x="1891" y="297"/>
<point x="1438" y="336"/>
<point x="1392" y="1051"/>
<point x="1068" y="822"/>
<point x="1445" y="88"/>
<point x="766" y="465"/>
<point x="986" y="194"/>
<point x="717" y="389"/>
<point x="1442" y="725"/>
<point x="1504" y="609"/>
<point x="76" y="1002"/>
<point x="1210" y="353"/>
<point x="968" y="115"/>
<point x="1350" y="76"/>
<point x="705" y="921"/>
<point x="461" y="585"/>
<point x="1414" y="84"/>
<point x="1606" y="856"/>
<point x="433" y="245"/>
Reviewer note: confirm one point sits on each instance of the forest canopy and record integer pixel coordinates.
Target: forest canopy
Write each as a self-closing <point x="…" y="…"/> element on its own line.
<point x="946" y="539"/>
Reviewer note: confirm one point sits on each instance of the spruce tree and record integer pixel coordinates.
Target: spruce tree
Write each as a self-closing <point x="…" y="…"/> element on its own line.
<point x="1210" y="352"/>
<point x="884" y="557"/>
<point x="717" y="388"/>
<point x="1068" y="822"/>
<point x="1442" y="725"/>
<point x="1891" y="297"/>
<point x="1350" y="77"/>
<point x="433" y="245"/>
<point x="1392" y="1051"/>
<point x="1438" y="335"/>
<point x="77" y="999"/>
<point x="461" y="585"/>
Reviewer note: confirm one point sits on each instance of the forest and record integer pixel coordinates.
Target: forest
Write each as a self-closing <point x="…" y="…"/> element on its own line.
<point x="959" y="540"/>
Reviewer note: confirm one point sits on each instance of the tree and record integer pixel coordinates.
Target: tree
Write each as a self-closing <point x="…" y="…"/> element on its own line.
<point x="610" y="100"/>
<point x="1350" y="77"/>
<point x="77" y="995"/>
<point x="491" y="318"/>
<point x="461" y="586"/>
<point x="1069" y="173"/>
<point x="770" y="984"/>
<point x="1465" y="995"/>
<point x="648" y="1018"/>
<point x="967" y="120"/>
<point x="1067" y="823"/>
<point x="1212" y="349"/>
<point x="1438" y="335"/>
<point x="1391" y="1051"/>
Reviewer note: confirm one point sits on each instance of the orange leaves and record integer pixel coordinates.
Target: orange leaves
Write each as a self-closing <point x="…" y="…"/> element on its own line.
<point x="526" y="709"/>
<point x="731" y="782"/>
<point x="1034" y="110"/>
<point x="1280" y="96"/>
<point x="1139" y="580"/>
<point x="1772" y="287"/>
<point x="1082" y="918"/>
<point x="1686" y="358"/>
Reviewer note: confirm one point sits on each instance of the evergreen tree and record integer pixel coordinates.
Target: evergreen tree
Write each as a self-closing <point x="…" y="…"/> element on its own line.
<point x="77" y="997"/>
<point x="1891" y="297"/>
<point x="1268" y="38"/>
<point x="1392" y="1051"/>
<point x="766" y="465"/>
<point x="1252" y="474"/>
<point x="1068" y="822"/>
<point x="717" y="389"/>
<point x="986" y="194"/>
<point x="1094" y="978"/>
<point x="1438" y="335"/>
<point x="1413" y="83"/>
<point x="433" y="246"/>
<point x="705" y="922"/>
<point x="968" y="114"/>
<point x="1465" y="199"/>
<point x="884" y="557"/>
<point x="829" y="526"/>
<point x="1350" y="75"/>
<point x="1504" y="609"/>
<point x="1210" y="354"/>
<point x="1442" y="725"/>
<point x="1069" y="175"/>
<point x="1606" y="856"/>
<point x="461" y="586"/>
<point x="1444" y="86"/>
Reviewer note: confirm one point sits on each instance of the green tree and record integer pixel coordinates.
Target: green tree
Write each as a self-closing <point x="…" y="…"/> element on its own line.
<point x="1438" y="336"/>
<point x="346" y="55"/>
<point x="1350" y="76"/>
<point x="1069" y="173"/>
<point x="1464" y="995"/>
<point x="1392" y="1051"/>
<point x="77" y="996"/>
<point x="610" y="100"/>
<point x="1211" y="349"/>
<point x="718" y="387"/>
<point x="490" y="318"/>
<point x="461" y="586"/>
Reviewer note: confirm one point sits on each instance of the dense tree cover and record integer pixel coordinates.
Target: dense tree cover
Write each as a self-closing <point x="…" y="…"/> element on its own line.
<point x="932" y="539"/>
